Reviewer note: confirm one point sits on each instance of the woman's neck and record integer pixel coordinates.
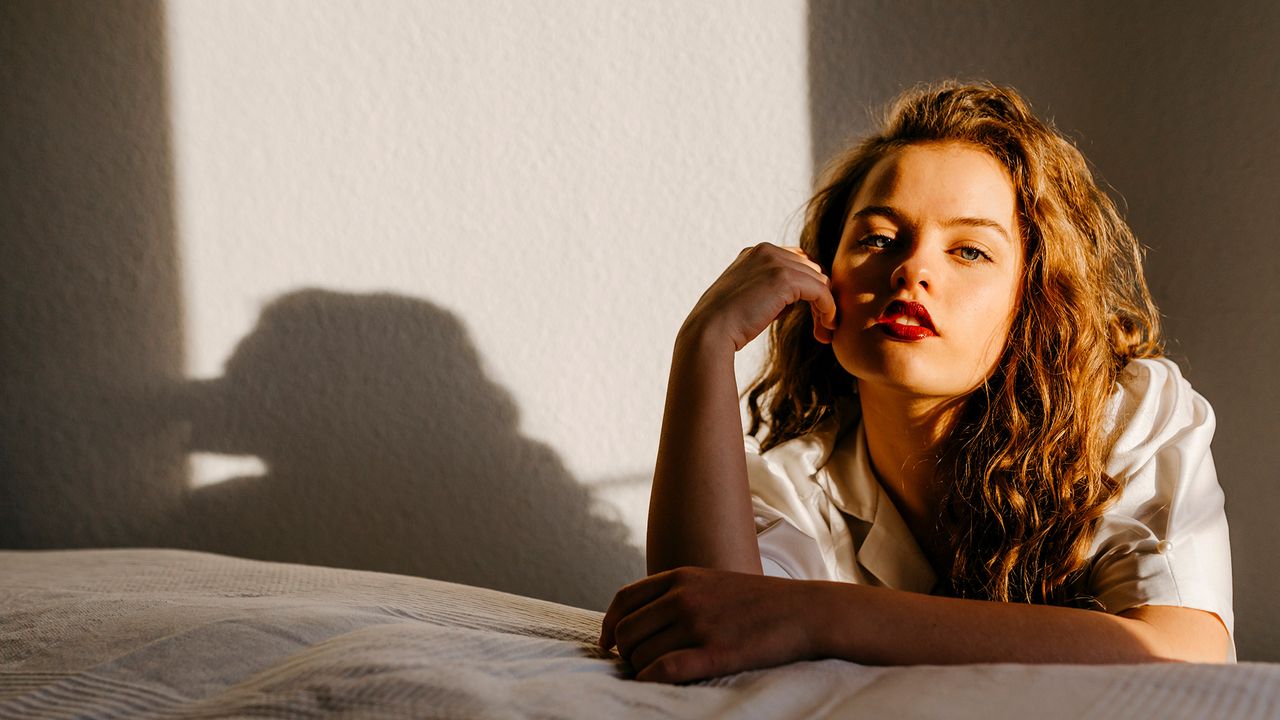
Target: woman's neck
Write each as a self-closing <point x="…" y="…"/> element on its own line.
<point x="904" y="438"/>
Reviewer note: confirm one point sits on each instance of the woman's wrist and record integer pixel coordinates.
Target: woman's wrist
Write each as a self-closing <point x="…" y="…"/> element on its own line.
<point x="701" y="339"/>
<point x="827" y="618"/>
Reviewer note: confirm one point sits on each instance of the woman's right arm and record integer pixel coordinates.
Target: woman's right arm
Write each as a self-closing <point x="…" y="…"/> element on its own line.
<point x="700" y="506"/>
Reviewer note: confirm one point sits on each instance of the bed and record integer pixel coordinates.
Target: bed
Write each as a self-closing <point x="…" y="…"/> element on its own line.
<point x="181" y="634"/>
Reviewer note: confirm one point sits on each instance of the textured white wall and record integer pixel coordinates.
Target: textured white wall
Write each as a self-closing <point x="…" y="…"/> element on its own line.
<point x="564" y="181"/>
<point x="427" y="262"/>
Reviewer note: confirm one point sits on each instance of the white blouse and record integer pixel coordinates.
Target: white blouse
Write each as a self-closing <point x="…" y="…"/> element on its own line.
<point x="821" y="514"/>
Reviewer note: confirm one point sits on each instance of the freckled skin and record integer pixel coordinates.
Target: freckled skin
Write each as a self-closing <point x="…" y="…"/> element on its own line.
<point x="965" y="275"/>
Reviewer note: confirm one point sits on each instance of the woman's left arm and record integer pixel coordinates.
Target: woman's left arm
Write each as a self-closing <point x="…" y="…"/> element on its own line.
<point x="693" y="623"/>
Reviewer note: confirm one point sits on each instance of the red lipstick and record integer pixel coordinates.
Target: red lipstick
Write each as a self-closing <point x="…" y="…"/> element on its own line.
<point x="908" y="321"/>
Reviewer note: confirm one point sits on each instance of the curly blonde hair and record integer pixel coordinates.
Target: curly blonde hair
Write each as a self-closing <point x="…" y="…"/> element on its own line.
<point x="1024" y="462"/>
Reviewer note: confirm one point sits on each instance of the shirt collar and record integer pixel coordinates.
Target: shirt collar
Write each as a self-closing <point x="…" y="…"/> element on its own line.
<point x="835" y="456"/>
<point x="842" y="466"/>
<point x="851" y="484"/>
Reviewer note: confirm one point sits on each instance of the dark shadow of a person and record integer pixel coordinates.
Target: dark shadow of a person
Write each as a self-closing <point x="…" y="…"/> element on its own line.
<point x="387" y="448"/>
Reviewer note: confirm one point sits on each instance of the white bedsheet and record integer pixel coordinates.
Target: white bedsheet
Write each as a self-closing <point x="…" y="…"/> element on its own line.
<point x="177" y="634"/>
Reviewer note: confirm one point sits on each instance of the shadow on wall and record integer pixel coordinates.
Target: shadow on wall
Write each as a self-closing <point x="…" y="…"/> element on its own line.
<point x="388" y="449"/>
<point x="90" y="290"/>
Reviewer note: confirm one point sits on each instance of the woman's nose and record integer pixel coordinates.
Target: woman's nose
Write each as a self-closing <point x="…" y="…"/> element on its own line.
<point x="912" y="271"/>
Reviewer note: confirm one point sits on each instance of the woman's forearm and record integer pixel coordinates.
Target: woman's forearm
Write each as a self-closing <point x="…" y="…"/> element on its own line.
<point x="879" y="626"/>
<point x="693" y="623"/>
<point x="700" y="505"/>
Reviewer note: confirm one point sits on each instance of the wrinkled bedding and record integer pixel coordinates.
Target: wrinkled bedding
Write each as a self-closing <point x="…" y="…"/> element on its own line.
<point x="179" y="634"/>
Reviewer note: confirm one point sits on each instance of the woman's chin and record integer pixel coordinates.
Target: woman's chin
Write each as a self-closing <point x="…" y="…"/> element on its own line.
<point x="907" y="372"/>
<point x="914" y="383"/>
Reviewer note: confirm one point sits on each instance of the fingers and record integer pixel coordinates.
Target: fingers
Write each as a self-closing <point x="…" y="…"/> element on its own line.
<point x="817" y="292"/>
<point x="802" y="261"/>
<point x="628" y="600"/>
<point x="823" y="308"/>
<point x="803" y="256"/>
<point x="670" y="640"/>
<point x="821" y="304"/>
<point x="823" y="330"/>
<point x="659" y="630"/>
<point x="684" y="665"/>
<point x="785" y="253"/>
<point x="759" y="286"/>
<point x="642" y="626"/>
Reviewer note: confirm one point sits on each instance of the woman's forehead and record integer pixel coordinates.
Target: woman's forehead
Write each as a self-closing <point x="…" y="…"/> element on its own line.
<point x="938" y="181"/>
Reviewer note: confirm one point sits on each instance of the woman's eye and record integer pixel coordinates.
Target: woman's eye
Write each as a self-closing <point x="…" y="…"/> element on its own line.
<point x="879" y="242"/>
<point x="972" y="254"/>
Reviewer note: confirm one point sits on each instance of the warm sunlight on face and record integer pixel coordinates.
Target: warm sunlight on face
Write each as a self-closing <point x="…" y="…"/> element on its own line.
<point x="926" y="276"/>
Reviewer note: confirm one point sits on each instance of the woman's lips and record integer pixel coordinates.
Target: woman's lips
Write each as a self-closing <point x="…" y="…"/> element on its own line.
<point x="906" y="332"/>
<point x="903" y="320"/>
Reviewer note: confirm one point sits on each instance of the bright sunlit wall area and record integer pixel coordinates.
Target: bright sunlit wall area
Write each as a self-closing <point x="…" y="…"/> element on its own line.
<point x="394" y="286"/>
<point x="424" y="265"/>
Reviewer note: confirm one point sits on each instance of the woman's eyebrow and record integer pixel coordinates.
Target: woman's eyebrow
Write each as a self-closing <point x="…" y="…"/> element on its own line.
<point x="897" y="217"/>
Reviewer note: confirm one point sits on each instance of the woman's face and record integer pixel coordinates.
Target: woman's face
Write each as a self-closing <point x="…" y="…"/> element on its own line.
<point x="927" y="272"/>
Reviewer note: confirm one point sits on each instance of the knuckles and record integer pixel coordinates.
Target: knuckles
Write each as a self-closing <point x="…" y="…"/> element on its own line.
<point x="764" y="254"/>
<point x="686" y="573"/>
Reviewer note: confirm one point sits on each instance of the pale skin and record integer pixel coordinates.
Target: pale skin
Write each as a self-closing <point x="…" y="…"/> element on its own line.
<point x="948" y="240"/>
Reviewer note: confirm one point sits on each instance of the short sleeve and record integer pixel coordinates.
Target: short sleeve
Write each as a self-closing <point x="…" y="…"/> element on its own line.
<point x="1165" y="540"/>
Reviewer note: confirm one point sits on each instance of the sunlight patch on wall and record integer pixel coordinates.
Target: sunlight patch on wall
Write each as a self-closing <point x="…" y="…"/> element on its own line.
<point x="207" y="469"/>
<point x="563" y="184"/>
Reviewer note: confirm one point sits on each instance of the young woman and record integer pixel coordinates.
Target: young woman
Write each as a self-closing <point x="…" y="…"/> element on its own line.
<point x="970" y="449"/>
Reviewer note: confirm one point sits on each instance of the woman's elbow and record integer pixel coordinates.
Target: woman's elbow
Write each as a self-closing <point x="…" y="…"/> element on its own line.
<point x="1179" y="634"/>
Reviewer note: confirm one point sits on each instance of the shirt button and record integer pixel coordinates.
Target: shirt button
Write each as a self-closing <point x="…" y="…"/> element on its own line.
<point x="1164" y="547"/>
